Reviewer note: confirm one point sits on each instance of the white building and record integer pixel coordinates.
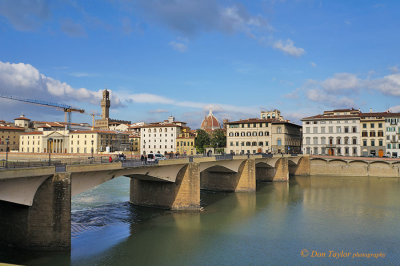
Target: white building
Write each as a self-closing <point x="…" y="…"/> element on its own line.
<point x="392" y="124"/>
<point x="334" y="132"/>
<point x="85" y="141"/>
<point x="160" y="137"/>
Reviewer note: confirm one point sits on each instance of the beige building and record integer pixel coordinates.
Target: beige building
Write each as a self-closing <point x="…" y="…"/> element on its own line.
<point x="12" y="133"/>
<point x="373" y="139"/>
<point x="185" y="142"/>
<point x="99" y="141"/>
<point x="274" y="114"/>
<point x="286" y="137"/>
<point x="134" y="139"/>
<point x="257" y="135"/>
<point x="269" y="134"/>
<point x="44" y="141"/>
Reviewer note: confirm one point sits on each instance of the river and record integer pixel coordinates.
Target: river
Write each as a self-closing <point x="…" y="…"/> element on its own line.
<point x="310" y="220"/>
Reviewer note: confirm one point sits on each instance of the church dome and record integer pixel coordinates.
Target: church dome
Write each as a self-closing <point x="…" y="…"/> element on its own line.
<point x="210" y="123"/>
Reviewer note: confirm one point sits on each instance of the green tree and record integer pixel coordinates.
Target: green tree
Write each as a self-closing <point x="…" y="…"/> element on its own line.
<point x="202" y="139"/>
<point x="218" y="139"/>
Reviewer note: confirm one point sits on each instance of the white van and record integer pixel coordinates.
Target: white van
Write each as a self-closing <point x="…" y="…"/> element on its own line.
<point x="160" y="157"/>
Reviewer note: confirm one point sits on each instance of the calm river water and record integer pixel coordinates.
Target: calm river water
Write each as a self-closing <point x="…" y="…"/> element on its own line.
<point x="282" y="223"/>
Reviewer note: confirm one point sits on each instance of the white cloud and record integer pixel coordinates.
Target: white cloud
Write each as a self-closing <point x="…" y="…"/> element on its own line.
<point x="328" y="99"/>
<point x="26" y="81"/>
<point x="341" y="82"/>
<point x="178" y="46"/>
<point x="389" y="85"/>
<point x="288" y="48"/>
<point x="395" y="109"/>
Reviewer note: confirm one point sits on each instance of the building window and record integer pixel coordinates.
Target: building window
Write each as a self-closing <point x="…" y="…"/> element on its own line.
<point x="266" y="143"/>
<point x="372" y="125"/>
<point x="372" y="143"/>
<point x="380" y="142"/>
<point x="354" y="141"/>
<point x="279" y="142"/>
<point x="364" y="125"/>
<point x="322" y="130"/>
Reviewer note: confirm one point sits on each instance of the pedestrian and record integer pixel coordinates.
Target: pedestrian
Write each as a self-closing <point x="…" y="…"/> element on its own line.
<point x="145" y="159"/>
<point x="142" y="159"/>
<point x="110" y="159"/>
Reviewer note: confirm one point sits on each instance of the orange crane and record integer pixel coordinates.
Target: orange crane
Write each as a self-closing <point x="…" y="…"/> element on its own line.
<point x="93" y="114"/>
<point x="66" y="108"/>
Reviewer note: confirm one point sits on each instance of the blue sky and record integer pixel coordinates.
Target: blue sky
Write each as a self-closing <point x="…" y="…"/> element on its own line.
<point x="182" y="57"/>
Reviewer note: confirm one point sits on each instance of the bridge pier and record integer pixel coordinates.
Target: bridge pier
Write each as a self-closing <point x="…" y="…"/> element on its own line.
<point x="242" y="181"/>
<point x="280" y="172"/>
<point x="303" y="166"/>
<point x="46" y="225"/>
<point x="183" y="194"/>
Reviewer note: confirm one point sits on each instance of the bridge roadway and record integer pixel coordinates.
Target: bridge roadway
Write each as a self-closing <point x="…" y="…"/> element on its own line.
<point x="35" y="203"/>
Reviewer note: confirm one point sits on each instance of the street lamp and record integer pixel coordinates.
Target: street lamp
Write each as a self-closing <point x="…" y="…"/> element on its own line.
<point x="7" y="141"/>
<point x="92" y="149"/>
<point x="50" y="141"/>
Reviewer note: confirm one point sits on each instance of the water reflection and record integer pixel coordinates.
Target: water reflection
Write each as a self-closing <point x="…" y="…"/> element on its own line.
<point x="269" y="226"/>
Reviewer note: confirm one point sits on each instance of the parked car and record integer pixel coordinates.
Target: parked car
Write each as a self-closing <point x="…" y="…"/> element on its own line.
<point x="159" y="157"/>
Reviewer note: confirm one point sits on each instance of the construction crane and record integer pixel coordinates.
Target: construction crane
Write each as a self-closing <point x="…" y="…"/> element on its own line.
<point x="93" y="115"/>
<point x="63" y="107"/>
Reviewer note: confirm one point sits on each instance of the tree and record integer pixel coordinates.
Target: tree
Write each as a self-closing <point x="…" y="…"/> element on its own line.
<point x="218" y="139"/>
<point x="202" y="139"/>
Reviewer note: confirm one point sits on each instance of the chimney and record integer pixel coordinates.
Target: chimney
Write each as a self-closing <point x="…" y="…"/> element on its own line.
<point x="370" y="110"/>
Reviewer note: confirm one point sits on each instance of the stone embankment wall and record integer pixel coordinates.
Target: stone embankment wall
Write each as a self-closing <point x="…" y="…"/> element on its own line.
<point x="339" y="167"/>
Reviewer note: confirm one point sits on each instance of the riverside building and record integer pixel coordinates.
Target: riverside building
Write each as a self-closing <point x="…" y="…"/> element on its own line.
<point x="335" y="132"/>
<point x="160" y="137"/>
<point x="349" y="132"/>
<point x="73" y="141"/>
<point x="263" y="135"/>
<point x="392" y="127"/>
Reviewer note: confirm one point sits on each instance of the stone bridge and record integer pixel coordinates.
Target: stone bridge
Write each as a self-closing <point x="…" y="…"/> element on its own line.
<point x="35" y="203"/>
